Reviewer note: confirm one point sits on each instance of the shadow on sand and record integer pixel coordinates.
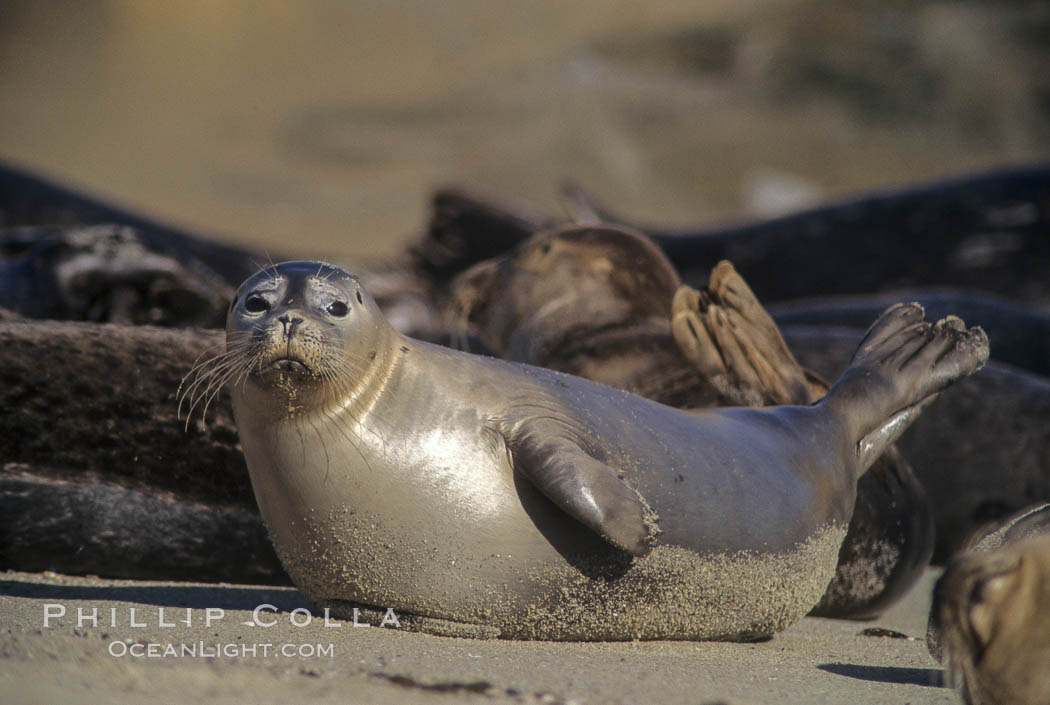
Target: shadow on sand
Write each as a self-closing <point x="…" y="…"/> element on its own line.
<point x="927" y="677"/>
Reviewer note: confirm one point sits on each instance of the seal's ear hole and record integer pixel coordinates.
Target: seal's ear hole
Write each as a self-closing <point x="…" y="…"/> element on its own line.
<point x="545" y="249"/>
<point x="360" y="299"/>
<point x="254" y="303"/>
<point x="337" y="309"/>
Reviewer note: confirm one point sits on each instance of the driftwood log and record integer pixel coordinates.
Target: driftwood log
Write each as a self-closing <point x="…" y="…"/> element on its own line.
<point x="28" y="200"/>
<point x="99" y="474"/>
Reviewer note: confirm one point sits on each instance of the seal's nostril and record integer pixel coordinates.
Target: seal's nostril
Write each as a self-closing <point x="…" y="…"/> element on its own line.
<point x="289" y="322"/>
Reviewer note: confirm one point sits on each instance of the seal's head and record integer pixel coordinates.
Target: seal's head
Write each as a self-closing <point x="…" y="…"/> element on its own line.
<point x="563" y="282"/>
<point x="301" y="323"/>
<point x="991" y="613"/>
<point x="297" y="331"/>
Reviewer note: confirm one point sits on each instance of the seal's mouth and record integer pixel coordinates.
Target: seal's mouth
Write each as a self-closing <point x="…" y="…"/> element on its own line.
<point x="284" y="364"/>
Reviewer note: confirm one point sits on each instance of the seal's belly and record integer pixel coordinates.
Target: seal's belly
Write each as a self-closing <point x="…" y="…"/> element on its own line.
<point x="399" y="523"/>
<point x="440" y="527"/>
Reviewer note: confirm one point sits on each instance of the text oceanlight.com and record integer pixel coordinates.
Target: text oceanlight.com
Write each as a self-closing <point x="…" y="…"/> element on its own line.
<point x="264" y="616"/>
<point x="202" y="649"/>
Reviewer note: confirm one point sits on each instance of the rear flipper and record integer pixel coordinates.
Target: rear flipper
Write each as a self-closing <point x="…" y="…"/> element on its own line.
<point x="901" y="365"/>
<point x="734" y="344"/>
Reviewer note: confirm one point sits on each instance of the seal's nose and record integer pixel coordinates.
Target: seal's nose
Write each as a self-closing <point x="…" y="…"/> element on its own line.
<point x="289" y="322"/>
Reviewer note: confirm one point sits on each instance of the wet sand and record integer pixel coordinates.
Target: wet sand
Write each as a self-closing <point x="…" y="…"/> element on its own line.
<point x="815" y="661"/>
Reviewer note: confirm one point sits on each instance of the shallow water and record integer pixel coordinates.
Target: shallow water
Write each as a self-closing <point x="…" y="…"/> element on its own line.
<point x="318" y="127"/>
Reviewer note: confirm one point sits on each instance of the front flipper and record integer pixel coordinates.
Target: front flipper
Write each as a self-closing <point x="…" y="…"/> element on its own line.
<point x="585" y="488"/>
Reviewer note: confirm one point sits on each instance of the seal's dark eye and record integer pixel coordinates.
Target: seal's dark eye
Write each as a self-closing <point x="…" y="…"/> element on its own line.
<point x="337" y="309"/>
<point x="256" y="304"/>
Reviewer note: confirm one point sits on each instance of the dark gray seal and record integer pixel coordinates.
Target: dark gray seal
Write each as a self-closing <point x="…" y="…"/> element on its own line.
<point x="475" y="491"/>
<point x="990" y="618"/>
<point x="1021" y="332"/>
<point x="983" y="232"/>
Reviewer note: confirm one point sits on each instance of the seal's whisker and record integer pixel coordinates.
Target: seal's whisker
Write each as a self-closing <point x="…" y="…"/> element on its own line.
<point x="329" y="274"/>
<point x="199" y="367"/>
<point x="302" y="437"/>
<point x="205" y="368"/>
<point x="324" y="447"/>
<point x="275" y="276"/>
<point x="207" y="378"/>
<point x="261" y="266"/>
<point x="342" y="378"/>
<point x="348" y="434"/>
<point x="198" y="364"/>
<point x="215" y="366"/>
<point x="248" y="367"/>
<point x="216" y="387"/>
<point x="343" y="390"/>
<point x="201" y="375"/>
<point x="208" y="392"/>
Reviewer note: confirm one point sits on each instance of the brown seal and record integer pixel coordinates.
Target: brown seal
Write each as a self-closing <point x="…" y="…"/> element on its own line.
<point x="592" y="302"/>
<point x="990" y="618"/>
<point x="604" y="303"/>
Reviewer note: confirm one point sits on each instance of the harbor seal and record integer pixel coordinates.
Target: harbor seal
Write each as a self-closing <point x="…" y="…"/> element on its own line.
<point x="990" y="618"/>
<point x="604" y="302"/>
<point x="475" y="491"/>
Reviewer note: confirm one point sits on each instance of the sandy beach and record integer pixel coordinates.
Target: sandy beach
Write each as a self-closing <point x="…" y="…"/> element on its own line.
<point x="45" y="656"/>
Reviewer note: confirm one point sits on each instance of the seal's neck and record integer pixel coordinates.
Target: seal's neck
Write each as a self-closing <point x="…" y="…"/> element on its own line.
<point x="352" y="386"/>
<point x="357" y="392"/>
